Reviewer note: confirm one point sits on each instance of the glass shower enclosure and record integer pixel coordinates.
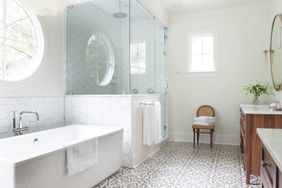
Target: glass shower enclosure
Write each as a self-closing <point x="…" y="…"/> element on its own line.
<point x="96" y="47"/>
<point x="115" y="47"/>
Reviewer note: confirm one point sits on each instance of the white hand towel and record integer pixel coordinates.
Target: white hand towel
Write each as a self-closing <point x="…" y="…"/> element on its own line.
<point x="152" y="123"/>
<point x="148" y="115"/>
<point x="157" y="123"/>
<point x="81" y="156"/>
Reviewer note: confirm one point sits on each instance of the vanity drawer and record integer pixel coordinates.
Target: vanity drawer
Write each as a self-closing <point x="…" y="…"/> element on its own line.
<point x="268" y="170"/>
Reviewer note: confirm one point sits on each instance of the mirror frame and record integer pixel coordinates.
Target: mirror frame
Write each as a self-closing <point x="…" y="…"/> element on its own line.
<point x="271" y="52"/>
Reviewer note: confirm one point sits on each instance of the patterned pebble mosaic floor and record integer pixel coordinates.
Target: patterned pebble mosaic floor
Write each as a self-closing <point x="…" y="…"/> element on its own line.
<point x="178" y="165"/>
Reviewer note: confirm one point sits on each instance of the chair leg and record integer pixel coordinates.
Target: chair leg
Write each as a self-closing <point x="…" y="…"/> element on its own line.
<point x="198" y="136"/>
<point x="194" y="137"/>
<point x="211" y="137"/>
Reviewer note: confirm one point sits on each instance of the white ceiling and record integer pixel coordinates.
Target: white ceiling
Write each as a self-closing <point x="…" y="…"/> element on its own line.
<point x="112" y="6"/>
<point x="185" y="6"/>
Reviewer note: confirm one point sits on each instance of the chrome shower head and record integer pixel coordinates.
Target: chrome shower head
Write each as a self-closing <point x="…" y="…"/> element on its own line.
<point x="119" y="14"/>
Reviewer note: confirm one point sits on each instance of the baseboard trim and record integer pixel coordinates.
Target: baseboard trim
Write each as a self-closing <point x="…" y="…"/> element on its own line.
<point x="150" y="155"/>
<point x="218" y="139"/>
<point x="163" y="142"/>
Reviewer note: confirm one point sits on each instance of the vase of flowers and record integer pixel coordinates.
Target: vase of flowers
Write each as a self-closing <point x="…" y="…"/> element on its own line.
<point x="257" y="89"/>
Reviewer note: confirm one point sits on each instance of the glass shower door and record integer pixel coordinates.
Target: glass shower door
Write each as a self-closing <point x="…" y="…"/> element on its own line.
<point x="142" y="50"/>
<point x="148" y="72"/>
<point x="161" y="73"/>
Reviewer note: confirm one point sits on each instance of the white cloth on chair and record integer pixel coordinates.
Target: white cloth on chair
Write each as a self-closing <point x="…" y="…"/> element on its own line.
<point x="204" y="120"/>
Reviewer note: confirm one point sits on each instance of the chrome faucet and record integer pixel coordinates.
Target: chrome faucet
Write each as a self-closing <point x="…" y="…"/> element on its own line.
<point x="21" y="128"/>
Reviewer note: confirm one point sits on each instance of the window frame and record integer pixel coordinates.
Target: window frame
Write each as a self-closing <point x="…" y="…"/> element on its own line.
<point x="137" y="59"/>
<point x="188" y="61"/>
<point x="38" y="59"/>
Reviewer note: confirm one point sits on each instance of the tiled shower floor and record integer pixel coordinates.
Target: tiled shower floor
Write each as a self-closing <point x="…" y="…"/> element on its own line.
<point x="178" y="165"/>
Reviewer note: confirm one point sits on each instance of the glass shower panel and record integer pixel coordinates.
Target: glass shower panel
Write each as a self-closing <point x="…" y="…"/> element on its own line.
<point x="161" y="72"/>
<point x="142" y="50"/>
<point x="95" y="50"/>
<point x="2" y="39"/>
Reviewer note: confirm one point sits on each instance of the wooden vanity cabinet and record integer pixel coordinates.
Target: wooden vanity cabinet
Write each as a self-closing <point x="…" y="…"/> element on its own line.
<point x="271" y="176"/>
<point x="250" y="143"/>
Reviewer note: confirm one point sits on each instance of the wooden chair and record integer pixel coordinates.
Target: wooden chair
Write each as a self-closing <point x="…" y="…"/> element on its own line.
<point x="204" y="110"/>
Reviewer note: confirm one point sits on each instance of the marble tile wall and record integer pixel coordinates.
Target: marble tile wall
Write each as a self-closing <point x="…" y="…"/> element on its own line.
<point x="50" y="109"/>
<point x="96" y="110"/>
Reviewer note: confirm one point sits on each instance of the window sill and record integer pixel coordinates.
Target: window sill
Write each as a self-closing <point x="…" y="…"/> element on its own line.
<point x="209" y="73"/>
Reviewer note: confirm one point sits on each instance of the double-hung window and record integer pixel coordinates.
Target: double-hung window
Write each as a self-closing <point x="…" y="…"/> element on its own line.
<point x="201" y="50"/>
<point x="138" y="58"/>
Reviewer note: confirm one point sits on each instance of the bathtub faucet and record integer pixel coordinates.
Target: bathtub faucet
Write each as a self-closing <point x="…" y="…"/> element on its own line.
<point x="21" y="128"/>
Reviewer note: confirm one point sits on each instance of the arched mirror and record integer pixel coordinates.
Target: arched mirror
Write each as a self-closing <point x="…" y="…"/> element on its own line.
<point x="275" y="52"/>
<point x="100" y="59"/>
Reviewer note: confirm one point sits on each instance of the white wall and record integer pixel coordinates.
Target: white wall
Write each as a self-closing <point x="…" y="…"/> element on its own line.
<point x="156" y="10"/>
<point x="276" y="7"/>
<point x="48" y="80"/>
<point x="242" y="38"/>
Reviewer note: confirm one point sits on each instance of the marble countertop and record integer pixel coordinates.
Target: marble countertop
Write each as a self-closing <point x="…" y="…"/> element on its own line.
<point x="258" y="109"/>
<point x="272" y="140"/>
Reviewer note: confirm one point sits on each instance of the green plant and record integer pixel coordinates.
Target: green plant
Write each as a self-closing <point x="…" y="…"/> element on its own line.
<point x="257" y="89"/>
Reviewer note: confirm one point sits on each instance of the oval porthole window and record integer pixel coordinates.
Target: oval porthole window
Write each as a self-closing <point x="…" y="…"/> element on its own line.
<point x="100" y="58"/>
<point x="21" y="41"/>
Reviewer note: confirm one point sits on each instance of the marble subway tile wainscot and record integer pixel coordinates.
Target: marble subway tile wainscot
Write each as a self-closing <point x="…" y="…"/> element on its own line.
<point x="105" y="111"/>
<point x="50" y="109"/>
<point x="116" y="111"/>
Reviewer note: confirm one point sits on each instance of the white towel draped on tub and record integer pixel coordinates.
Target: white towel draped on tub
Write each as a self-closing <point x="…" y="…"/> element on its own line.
<point x="152" y="121"/>
<point x="81" y="156"/>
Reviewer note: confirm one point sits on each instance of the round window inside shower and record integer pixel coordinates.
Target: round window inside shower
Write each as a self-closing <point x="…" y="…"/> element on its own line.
<point x="100" y="59"/>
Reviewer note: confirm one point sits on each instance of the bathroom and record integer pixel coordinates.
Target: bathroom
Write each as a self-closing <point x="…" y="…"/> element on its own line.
<point x="92" y="69"/>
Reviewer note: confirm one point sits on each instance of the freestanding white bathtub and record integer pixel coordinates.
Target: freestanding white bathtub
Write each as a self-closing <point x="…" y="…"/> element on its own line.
<point x="38" y="160"/>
